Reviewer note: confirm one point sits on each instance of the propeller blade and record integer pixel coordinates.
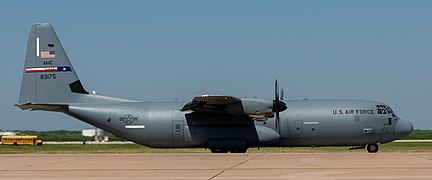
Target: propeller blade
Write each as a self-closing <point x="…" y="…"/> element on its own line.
<point x="282" y="94"/>
<point x="277" y="121"/>
<point x="278" y="105"/>
<point x="276" y="90"/>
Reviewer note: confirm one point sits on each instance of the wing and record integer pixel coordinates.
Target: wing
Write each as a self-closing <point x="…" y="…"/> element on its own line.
<point x="253" y="108"/>
<point x="215" y="104"/>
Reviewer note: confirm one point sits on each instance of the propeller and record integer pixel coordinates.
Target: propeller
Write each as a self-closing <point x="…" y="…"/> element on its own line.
<point x="278" y="105"/>
<point x="282" y="94"/>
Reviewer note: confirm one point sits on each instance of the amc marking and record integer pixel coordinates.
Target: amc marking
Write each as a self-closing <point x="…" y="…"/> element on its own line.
<point x="128" y="119"/>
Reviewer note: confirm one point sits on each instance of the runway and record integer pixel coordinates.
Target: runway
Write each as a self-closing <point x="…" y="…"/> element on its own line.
<point x="217" y="166"/>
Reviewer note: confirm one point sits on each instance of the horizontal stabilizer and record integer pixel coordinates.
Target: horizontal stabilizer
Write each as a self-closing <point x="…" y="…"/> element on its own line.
<point x="43" y="107"/>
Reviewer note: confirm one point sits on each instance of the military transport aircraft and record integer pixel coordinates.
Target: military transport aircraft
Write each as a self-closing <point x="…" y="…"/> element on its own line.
<point x="221" y="123"/>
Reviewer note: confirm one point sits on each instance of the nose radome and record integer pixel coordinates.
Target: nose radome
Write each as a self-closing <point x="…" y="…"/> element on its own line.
<point x="403" y="128"/>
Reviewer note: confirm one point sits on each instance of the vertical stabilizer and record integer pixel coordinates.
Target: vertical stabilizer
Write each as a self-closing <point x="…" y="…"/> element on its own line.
<point x="48" y="75"/>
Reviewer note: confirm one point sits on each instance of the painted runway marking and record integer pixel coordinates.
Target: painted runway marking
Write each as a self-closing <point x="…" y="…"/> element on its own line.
<point x="245" y="161"/>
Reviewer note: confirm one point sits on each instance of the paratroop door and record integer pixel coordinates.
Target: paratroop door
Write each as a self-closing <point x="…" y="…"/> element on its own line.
<point x="298" y="127"/>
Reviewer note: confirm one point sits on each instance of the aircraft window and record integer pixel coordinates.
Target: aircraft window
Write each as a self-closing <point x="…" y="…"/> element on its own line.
<point x="50" y="45"/>
<point x="383" y="109"/>
<point x="390" y="121"/>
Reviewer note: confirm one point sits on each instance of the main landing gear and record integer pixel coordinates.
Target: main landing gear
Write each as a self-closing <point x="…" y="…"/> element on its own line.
<point x="221" y="145"/>
<point x="242" y="150"/>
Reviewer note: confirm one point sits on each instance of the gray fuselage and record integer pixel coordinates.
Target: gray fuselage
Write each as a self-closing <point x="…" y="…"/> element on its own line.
<point x="304" y="123"/>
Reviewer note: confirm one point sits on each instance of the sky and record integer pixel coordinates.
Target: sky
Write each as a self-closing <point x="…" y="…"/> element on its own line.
<point x="166" y="50"/>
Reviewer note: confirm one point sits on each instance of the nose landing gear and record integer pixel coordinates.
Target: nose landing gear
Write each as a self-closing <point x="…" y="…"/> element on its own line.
<point x="372" y="148"/>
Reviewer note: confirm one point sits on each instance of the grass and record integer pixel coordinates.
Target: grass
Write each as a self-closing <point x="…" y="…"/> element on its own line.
<point x="414" y="147"/>
<point x="134" y="148"/>
<point x="62" y="135"/>
<point x="89" y="148"/>
<point x="389" y="147"/>
<point x="419" y="135"/>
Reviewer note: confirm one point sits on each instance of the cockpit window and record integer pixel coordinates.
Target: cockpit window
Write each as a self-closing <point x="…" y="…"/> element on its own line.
<point x="383" y="109"/>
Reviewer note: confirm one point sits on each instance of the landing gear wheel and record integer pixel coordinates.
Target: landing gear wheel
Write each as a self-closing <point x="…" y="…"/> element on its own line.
<point x="219" y="150"/>
<point x="372" y="148"/>
<point x="238" y="150"/>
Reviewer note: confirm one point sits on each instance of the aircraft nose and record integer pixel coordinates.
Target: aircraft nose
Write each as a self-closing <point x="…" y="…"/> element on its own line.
<point x="403" y="128"/>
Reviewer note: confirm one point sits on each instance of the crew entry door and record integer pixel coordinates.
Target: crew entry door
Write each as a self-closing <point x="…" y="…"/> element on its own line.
<point x="178" y="132"/>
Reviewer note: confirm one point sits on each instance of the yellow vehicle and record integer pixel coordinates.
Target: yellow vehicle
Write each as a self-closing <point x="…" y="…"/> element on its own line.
<point x="21" y="140"/>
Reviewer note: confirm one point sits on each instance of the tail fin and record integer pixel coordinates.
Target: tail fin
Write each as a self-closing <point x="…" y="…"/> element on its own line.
<point x="48" y="75"/>
<point x="49" y="81"/>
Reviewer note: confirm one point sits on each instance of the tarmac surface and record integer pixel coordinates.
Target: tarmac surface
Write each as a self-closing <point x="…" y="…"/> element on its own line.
<point x="130" y="142"/>
<point x="217" y="166"/>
